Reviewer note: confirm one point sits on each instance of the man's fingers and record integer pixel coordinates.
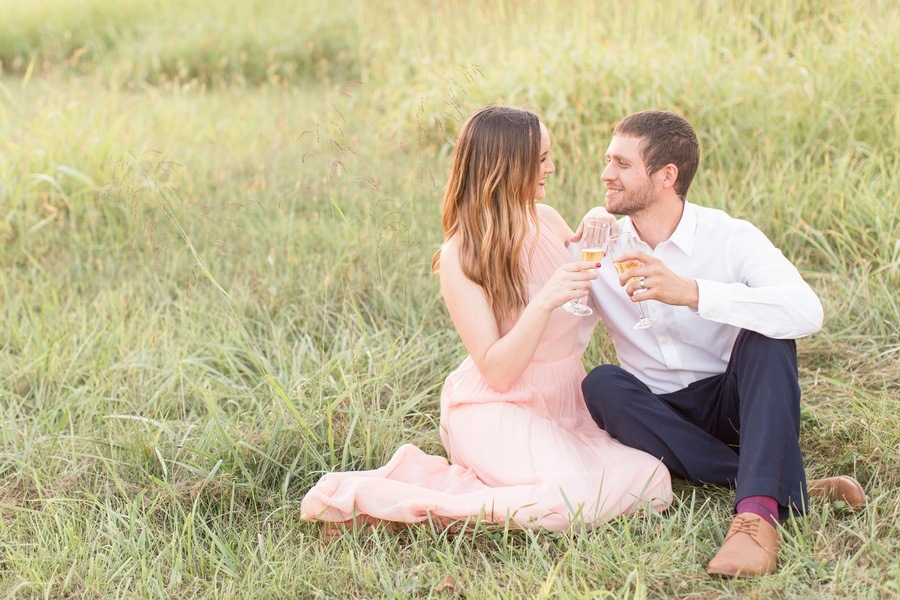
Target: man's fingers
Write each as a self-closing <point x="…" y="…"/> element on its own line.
<point x="633" y="273"/>
<point x="634" y="288"/>
<point x="638" y="255"/>
<point x="578" y="232"/>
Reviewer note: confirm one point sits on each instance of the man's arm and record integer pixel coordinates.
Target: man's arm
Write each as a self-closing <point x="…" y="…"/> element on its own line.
<point x="767" y="294"/>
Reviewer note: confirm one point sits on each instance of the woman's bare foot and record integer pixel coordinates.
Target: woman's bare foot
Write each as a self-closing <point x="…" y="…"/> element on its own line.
<point x="330" y="531"/>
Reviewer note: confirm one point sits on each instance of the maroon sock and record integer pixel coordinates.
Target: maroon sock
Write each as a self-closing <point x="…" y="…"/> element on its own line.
<point x="765" y="507"/>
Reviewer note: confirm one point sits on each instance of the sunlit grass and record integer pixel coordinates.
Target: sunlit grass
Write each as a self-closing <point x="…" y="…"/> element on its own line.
<point x="145" y="447"/>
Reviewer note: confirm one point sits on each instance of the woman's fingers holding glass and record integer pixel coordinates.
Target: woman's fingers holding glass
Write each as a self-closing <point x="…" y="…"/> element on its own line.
<point x="583" y="277"/>
<point x="580" y="286"/>
<point x="588" y="267"/>
<point x="570" y="281"/>
<point x="575" y="280"/>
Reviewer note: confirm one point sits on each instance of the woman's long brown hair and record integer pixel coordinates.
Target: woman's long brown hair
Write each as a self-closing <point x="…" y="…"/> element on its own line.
<point x="489" y="202"/>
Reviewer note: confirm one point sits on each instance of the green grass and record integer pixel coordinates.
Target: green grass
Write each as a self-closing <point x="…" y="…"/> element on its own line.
<point x="216" y="221"/>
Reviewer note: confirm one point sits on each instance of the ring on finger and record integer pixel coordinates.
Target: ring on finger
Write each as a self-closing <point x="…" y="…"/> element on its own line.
<point x="643" y="285"/>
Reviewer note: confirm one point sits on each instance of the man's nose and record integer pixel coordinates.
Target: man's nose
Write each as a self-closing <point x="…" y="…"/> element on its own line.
<point x="607" y="174"/>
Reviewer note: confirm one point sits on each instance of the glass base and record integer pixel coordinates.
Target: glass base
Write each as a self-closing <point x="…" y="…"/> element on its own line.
<point x="644" y="323"/>
<point x="577" y="308"/>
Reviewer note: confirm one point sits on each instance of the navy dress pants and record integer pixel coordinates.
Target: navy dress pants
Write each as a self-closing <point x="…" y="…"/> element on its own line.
<point x="739" y="429"/>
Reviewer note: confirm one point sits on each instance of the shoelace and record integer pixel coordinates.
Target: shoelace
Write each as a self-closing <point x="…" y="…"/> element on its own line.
<point x="744" y="525"/>
<point x="747" y="525"/>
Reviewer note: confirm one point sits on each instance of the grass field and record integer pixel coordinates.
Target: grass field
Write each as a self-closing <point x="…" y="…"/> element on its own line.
<point x="217" y="221"/>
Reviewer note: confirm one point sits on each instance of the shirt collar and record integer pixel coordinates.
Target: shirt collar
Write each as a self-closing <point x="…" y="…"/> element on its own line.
<point x="625" y="225"/>
<point x="683" y="236"/>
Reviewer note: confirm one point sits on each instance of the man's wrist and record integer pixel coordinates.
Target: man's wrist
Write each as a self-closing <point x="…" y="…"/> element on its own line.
<point x="693" y="295"/>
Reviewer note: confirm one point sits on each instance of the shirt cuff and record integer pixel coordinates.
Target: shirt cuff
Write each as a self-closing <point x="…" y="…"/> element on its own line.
<point x="712" y="302"/>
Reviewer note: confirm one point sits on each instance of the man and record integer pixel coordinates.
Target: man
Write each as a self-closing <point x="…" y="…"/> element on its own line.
<point x="711" y="388"/>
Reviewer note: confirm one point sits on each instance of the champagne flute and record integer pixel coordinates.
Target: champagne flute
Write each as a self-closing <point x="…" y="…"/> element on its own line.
<point x="621" y="244"/>
<point x="592" y="247"/>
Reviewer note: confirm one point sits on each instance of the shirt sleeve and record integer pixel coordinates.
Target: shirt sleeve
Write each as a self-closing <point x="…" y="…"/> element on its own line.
<point x="768" y="295"/>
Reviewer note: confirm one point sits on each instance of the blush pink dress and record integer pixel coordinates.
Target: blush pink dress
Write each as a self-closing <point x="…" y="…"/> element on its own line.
<point x="531" y="456"/>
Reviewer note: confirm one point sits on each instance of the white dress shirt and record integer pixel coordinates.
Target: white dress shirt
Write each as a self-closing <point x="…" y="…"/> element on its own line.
<point x="744" y="281"/>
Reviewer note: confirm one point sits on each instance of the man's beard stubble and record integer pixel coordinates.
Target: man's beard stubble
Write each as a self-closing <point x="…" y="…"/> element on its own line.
<point x="633" y="202"/>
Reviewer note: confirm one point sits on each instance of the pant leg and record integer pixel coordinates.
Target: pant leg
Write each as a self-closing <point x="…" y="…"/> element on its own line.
<point x="740" y="428"/>
<point x="763" y="389"/>
<point x="626" y="408"/>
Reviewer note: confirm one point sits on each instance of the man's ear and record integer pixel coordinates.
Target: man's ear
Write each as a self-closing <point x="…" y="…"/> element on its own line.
<point x="669" y="175"/>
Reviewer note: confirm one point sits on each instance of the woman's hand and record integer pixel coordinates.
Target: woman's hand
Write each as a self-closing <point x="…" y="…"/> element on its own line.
<point x="570" y="281"/>
<point x="599" y="213"/>
<point x="501" y="359"/>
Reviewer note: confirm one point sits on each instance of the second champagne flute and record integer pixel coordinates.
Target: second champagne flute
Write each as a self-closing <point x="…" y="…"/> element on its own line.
<point x="621" y="244"/>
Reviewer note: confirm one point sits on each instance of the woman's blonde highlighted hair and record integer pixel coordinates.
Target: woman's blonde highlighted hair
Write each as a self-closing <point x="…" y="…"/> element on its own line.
<point x="489" y="202"/>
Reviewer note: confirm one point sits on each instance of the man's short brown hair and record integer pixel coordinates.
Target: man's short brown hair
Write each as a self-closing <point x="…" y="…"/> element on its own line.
<point x="665" y="138"/>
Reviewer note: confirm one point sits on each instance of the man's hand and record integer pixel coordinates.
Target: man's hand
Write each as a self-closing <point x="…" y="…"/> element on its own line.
<point x="600" y="214"/>
<point x="655" y="281"/>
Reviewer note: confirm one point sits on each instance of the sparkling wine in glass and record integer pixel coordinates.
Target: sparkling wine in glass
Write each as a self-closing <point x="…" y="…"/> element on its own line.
<point x="621" y="244"/>
<point x="591" y="248"/>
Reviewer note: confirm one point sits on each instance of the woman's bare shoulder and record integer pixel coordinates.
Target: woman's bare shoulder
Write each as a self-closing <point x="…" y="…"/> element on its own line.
<point x="555" y="221"/>
<point x="450" y="250"/>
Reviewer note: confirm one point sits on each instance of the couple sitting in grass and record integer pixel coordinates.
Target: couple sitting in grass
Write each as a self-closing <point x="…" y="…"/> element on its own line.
<point x="707" y="392"/>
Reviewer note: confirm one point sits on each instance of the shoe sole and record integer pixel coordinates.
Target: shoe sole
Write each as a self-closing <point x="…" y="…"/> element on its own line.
<point x="741" y="574"/>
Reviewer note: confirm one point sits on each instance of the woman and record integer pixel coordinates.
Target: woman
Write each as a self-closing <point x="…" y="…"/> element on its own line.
<point x="523" y="448"/>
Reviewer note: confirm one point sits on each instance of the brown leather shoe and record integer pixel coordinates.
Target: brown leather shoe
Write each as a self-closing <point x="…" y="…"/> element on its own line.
<point x="832" y="489"/>
<point x="750" y="549"/>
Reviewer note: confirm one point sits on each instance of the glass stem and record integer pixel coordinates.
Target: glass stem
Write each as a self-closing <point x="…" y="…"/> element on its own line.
<point x="641" y="310"/>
